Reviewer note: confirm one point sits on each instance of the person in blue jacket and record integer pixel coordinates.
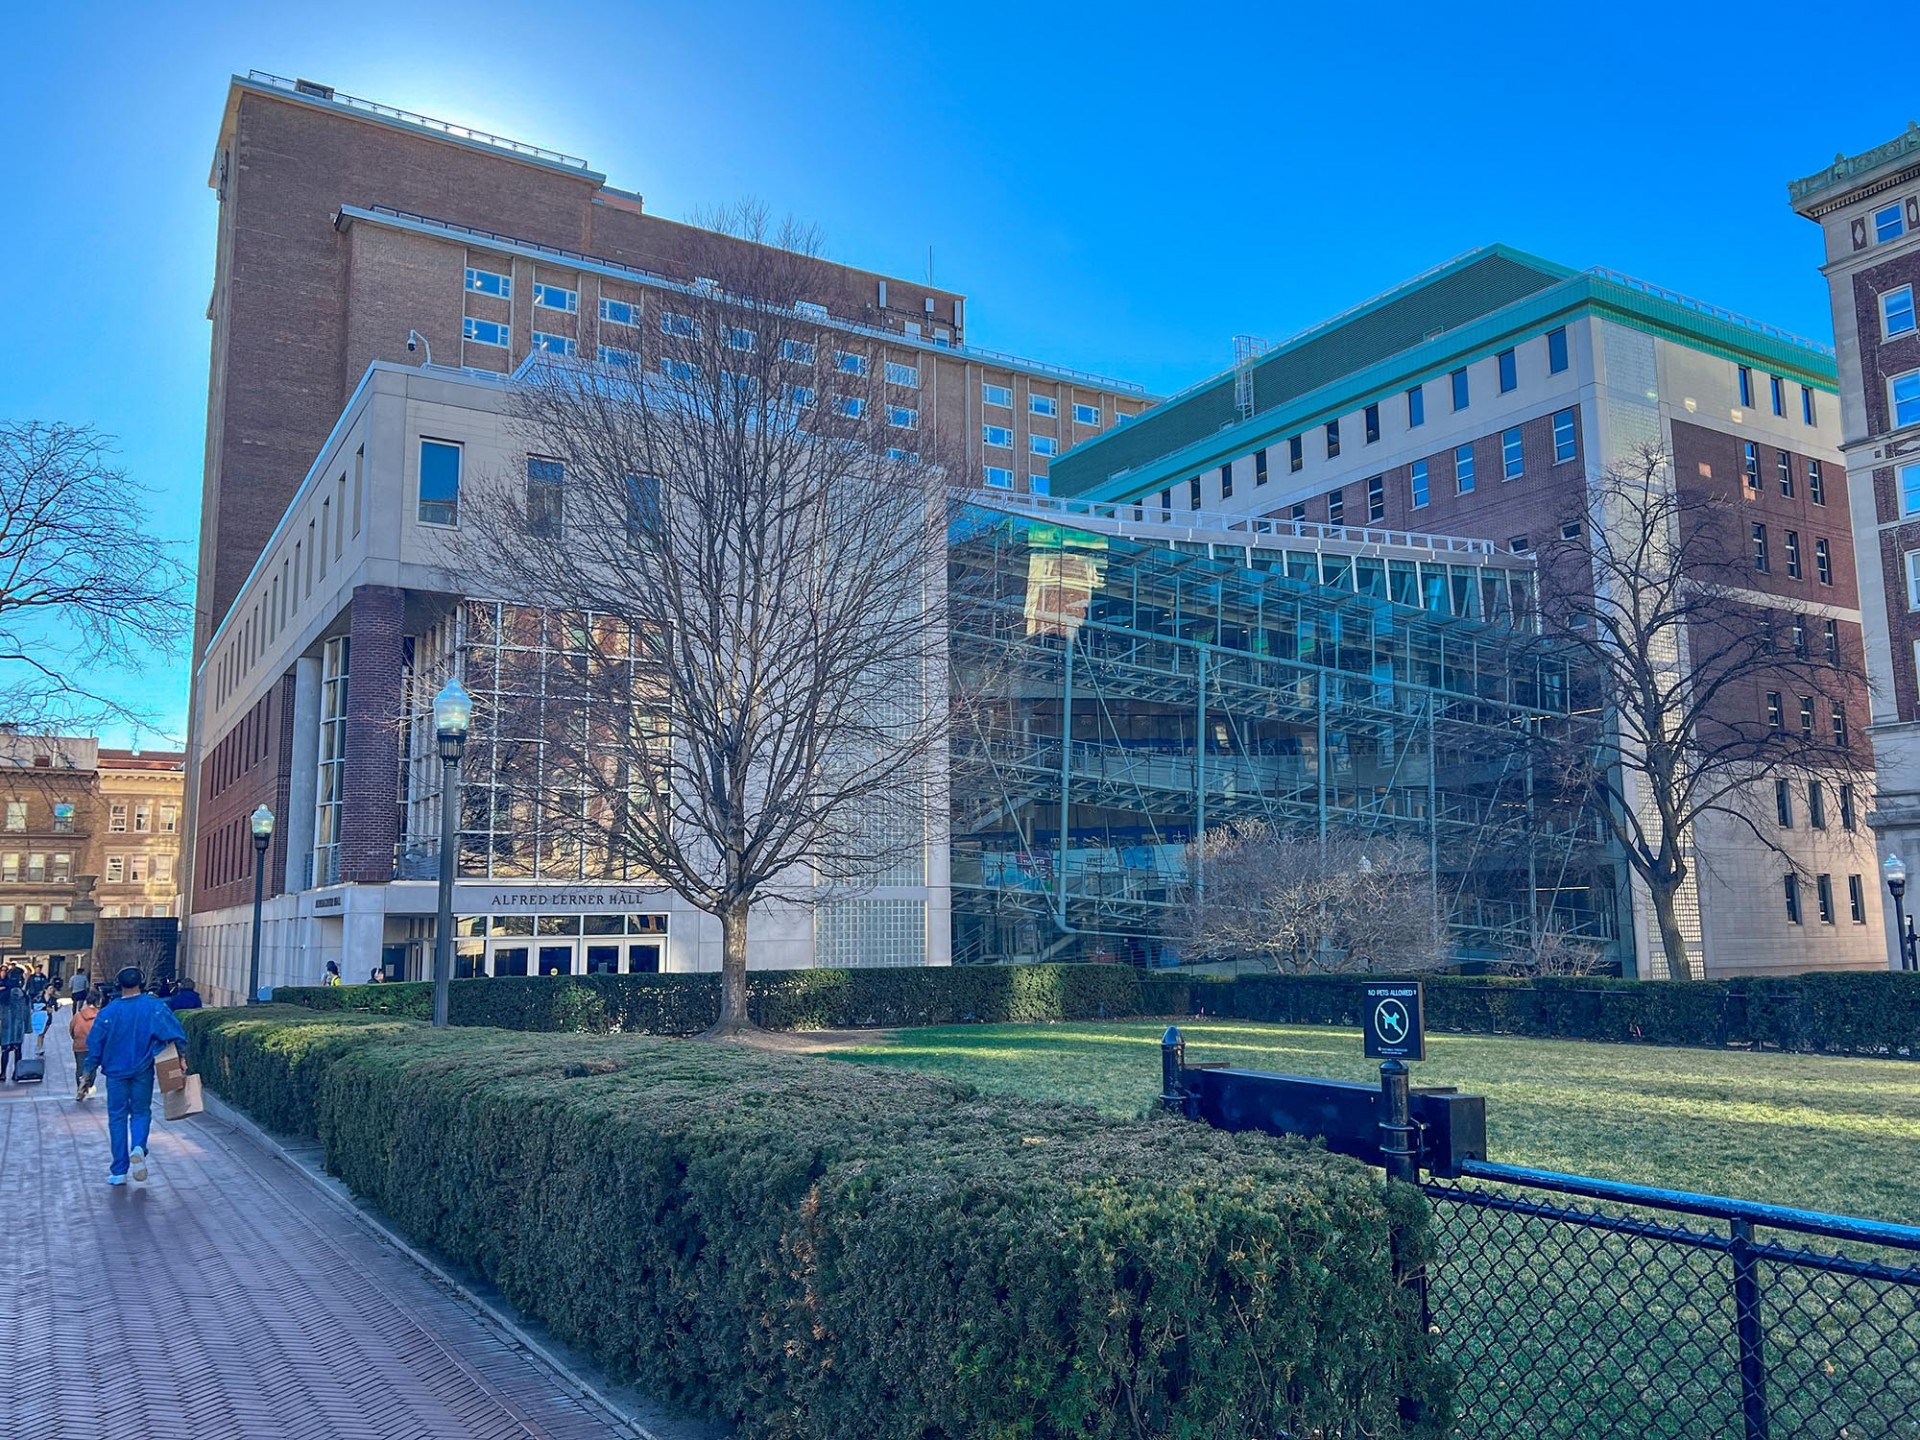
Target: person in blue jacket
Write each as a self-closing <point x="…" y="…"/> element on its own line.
<point x="125" y="1038"/>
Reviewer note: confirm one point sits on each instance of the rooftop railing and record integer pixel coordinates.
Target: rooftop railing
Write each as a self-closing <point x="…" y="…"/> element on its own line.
<point x="1711" y="311"/>
<point x="314" y="91"/>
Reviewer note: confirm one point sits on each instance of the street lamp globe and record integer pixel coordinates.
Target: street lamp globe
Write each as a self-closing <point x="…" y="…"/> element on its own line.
<point x="1895" y="872"/>
<point x="452" y="718"/>
<point x="261" y="823"/>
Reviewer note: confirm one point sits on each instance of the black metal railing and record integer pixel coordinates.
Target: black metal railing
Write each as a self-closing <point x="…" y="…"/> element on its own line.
<point x="1571" y="1306"/>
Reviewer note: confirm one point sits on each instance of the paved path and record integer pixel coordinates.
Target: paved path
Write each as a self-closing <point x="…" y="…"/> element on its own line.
<point x="262" y="1308"/>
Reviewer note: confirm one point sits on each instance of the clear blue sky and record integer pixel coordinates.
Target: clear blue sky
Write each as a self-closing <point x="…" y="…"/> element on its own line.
<point x="1118" y="187"/>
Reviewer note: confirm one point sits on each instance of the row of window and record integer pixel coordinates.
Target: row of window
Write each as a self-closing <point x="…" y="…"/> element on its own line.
<point x="1763" y="558"/>
<point x="1777" y="393"/>
<point x="40" y="869"/>
<point x="1002" y="396"/>
<point x="1816" y="805"/>
<point x="137" y="869"/>
<point x="62" y="815"/>
<point x="1783" y="470"/>
<point x="1001" y="437"/>
<point x="35" y="914"/>
<point x="1823" y="894"/>
<point x="1777" y="718"/>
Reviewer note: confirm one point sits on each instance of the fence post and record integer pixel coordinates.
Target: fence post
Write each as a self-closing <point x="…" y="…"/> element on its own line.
<point x="1173" y="1055"/>
<point x="1398" y="1152"/>
<point x="1746" y="1315"/>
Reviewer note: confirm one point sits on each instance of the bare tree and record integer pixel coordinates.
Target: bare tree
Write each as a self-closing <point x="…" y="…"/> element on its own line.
<point x="1348" y="903"/>
<point x="1556" y="950"/>
<point x="738" y="520"/>
<point x="85" y="588"/>
<point x="1708" y="689"/>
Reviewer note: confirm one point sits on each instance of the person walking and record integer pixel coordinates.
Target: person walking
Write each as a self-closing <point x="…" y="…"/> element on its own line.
<point x="86" y="1008"/>
<point x="77" y="987"/>
<point x="125" y="1038"/>
<point x="13" y="1021"/>
<point x="332" y="974"/>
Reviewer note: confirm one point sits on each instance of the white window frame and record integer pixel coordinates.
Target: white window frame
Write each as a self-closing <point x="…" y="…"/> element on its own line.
<point x="545" y="295"/>
<point x="1042" y="445"/>
<point x="853" y="406"/>
<point x="683" y="325"/>
<point x="800" y="397"/>
<point x="1088" y="415"/>
<point x="1513" y="454"/>
<point x="991" y="394"/>
<point x="563" y="345"/>
<point x="1043" y="405"/>
<point x="1419" y="486"/>
<point x="470" y="331"/>
<point x="475" y="276"/>
<point x="810" y="310"/>
<point x="1039" y="485"/>
<point x="1887" y="332"/>
<point x="1000" y="436"/>
<point x="850" y="362"/>
<point x="609" y="307"/>
<point x="903" y="417"/>
<point x="1893" y="398"/>
<point x="799" y="352"/>
<point x="738" y="337"/>
<point x="1573" y="438"/>
<point x="903" y="375"/>
<point x="612" y="355"/>
<point x="1909" y="489"/>
<point x="1899" y="228"/>
<point x="998" y="477"/>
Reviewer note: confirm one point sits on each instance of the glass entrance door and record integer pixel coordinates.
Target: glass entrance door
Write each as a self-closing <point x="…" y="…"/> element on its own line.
<point x="557" y="959"/>
<point x="643" y="959"/>
<point x="603" y="959"/>
<point x="509" y="959"/>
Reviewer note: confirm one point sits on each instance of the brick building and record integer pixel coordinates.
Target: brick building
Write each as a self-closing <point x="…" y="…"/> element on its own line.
<point x="1868" y="210"/>
<point x="1477" y="400"/>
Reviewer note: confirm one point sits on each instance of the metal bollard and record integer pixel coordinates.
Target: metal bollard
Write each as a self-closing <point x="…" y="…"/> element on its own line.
<point x="1398" y="1148"/>
<point x="1173" y="1056"/>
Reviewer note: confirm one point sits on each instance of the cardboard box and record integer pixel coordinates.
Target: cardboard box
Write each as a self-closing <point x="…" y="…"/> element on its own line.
<point x="185" y="1101"/>
<point x="170" y="1070"/>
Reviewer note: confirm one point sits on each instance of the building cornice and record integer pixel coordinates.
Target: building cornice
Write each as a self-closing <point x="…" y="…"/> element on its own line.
<point x="1847" y="168"/>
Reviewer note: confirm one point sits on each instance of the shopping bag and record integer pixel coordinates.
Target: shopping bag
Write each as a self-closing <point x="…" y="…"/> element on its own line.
<point x="170" y="1069"/>
<point x="185" y="1101"/>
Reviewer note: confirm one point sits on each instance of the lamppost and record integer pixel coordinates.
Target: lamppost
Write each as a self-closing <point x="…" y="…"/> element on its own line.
<point x="261" y="824"/>
<point x="1895" y="871"/>
<point x="452" y="717"/>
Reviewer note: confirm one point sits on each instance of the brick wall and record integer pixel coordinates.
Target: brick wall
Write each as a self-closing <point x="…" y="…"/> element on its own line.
<point x="370" y="804"/>
<point x="242" y="769"/>
<point x="1881" y="359"/>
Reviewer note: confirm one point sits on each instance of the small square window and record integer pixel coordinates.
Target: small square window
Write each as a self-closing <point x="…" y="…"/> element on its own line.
<point x="1509" y="371"/>
<point x="1806" y="716"/>
<point x="1571" y="530"/>
<point x="1889" y="224"/>
<point x="1519" y="544"/>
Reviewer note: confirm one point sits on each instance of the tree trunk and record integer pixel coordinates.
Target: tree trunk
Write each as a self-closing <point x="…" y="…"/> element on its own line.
<point x="1671" y="939"/>
<point x="733" y="1019"/>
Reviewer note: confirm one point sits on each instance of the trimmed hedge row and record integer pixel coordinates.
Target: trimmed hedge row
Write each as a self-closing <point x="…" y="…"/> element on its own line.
<point x="1871" y="1013"/>
<point x="814" y="1249"/>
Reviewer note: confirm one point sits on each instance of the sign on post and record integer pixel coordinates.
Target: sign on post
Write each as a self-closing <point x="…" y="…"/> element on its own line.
<point x="1395" y="1028"/>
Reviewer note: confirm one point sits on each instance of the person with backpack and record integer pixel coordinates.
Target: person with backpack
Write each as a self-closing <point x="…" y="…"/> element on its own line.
<point x="86" y="1009"/>
<point x="13" y="1021"/>
<point x="126" y="1038"/>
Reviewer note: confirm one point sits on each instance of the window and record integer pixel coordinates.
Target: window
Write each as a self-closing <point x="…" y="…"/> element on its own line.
<point x="850" y="363"/>
<point x="854" y="406"/>
<point x="490" y="282"/>
<point x="619" y="312"/>
<point x="1816" y="805"/>
<point x="1556" y="350"/>
<point x="1565" y="447"/>
<point x="800" y="397"/>
<point x="544" y="481"/>
<point x="1783" y="803"/>
<point x="1038" y="485"/>
<point x="1776" y="722"/>
<point x="1043" y="405"/>
<point x="1509" y="372"/>
<point x="643" y="506"/>
<point x="1371" y="418"/>
<point x="1846" y="808"/>
<point x="1463" y="470"/>
<point x="116" y="869"/>
<point x="681" y="372"/>
<point x="1906" y="399"/>
<point x="553" y="344"/>
<point x="1800" y="636"/>
<point x="800" y="352"/>
<point x="1336" y="507"/>
<point x="1416" y="407"/>
<point x="1778" y="389"/>
<point x="1746" y="387"/>
<point x="1896" y="312"/>
<point x="1832" y="635"/>
<point x="1910" y="489"/>
<point x="1226" y="482"/>
<point x="810" y="310"/>
<point x="1519" y="544"/>
<point x="1419" y="484"/>
<point x="1785" y="470"/>
<point x="999" y="478"/>
<point x="63" y="816"/>
<point x="1087" y="415"/>
<point x="996" y="395"/>
<point x="1570" y="530"/>
<point x="903" y="418"/>
<point x="1042" y="444"/>
<point x="170" y="814"/>
<point x="1793" y="899"/>
<point x="1299" y="513"/>
<point x="1259" y="467"/>
<point x="163" y="868"/>
<point x="1333" y="438"/>
<point x="1823" y="562"/>
<point x="1193" y="493"/>
<point x="1760" y="548"/>
<point x="682" y="325"/>
<point x="996" y="435"/>
<point x="62" y="869"/>
<point x="612" y="356"/>
<point x="1295" y="459"/>
<point x="1750" y="461"/>
<point x="10" y="867"/>
<point x="116" y="818"/>
<point x="439" y="486"/>
<point x="1459" y="381"/>
<point x="17" y="815"/>
<point x="1823" y="888"/>
<point x="1512" y="463"/>
<point x="1376" y="499"/>
<point x="37" y="868"/>
<point x="1888" y="224"/>
<point x="1793" y="555"/>
<point x="556" y="297"/>
<point x="1856" y="900"/>
<point x="137" y="867"/>
<point x="1840" y="724"/>
<point x="1806" y="404"/>
<point x="899" y="374"/>
<point x="484" y="332"/>
<point x="1806" y="716"/>
<point x="1816" y="483"/>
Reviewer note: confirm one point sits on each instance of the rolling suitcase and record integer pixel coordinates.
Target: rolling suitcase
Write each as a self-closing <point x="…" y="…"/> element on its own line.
<point x="31" y="1067"/>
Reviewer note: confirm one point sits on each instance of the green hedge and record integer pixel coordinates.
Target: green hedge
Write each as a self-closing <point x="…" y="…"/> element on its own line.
<point x="814" y="1249"/>
<point x="1870" y="1013"/>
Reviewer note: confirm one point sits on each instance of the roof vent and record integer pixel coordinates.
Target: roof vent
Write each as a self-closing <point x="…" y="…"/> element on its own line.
<point x="314" y="88"/>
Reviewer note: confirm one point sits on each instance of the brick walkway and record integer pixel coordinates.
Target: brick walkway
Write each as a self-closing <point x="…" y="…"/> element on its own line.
<point x="263" y="1310"/>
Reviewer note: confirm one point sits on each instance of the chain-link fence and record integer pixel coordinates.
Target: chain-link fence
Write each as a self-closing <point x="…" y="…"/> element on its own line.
<point x="1573" y="1307"/>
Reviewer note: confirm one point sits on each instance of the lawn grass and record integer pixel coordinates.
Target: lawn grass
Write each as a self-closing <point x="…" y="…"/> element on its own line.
<point x="1826" y="1134"/>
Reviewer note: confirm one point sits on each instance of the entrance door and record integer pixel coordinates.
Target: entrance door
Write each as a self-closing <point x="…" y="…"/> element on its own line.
<point x="509" y="959"/>
<point x="556" y="959"/>
<point x="643" y="959"/>
<point x="603" y="959"/>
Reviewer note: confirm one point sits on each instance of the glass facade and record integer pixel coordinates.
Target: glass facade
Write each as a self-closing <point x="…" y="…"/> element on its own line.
<point x="1122" y="695"/>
